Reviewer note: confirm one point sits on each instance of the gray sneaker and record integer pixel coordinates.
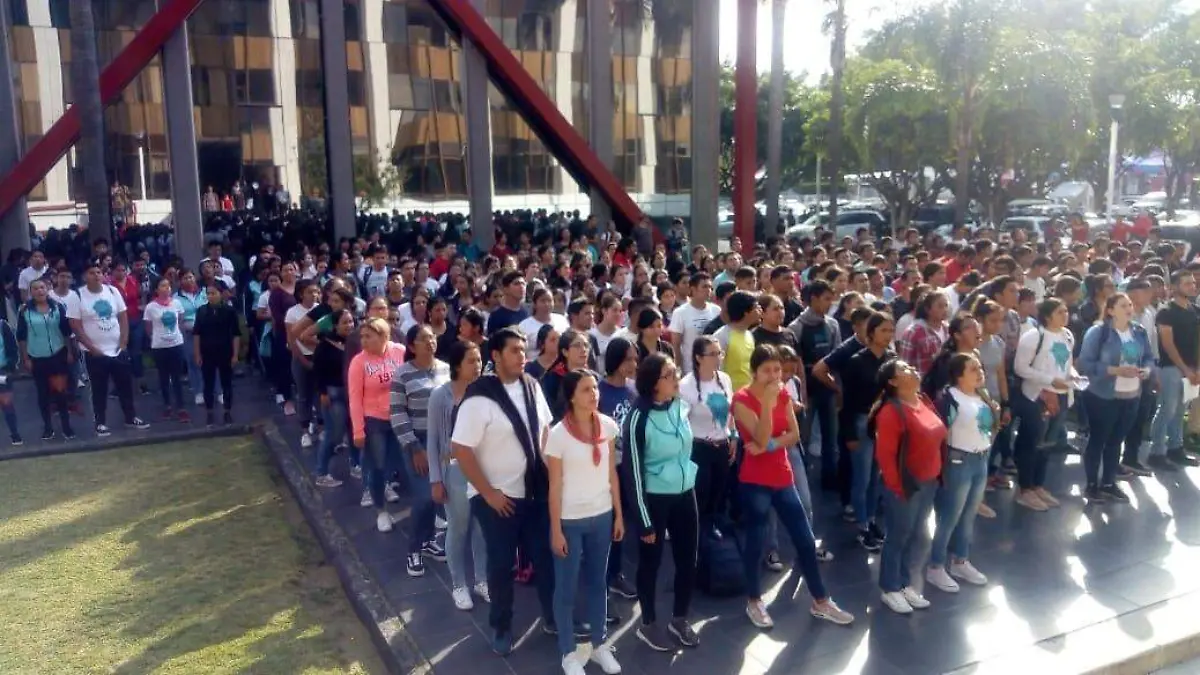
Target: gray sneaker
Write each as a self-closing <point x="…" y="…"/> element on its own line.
<point x="683" y="632"/>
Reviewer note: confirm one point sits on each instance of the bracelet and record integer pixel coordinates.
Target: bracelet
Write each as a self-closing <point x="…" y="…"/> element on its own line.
<point x="771" y="447"/>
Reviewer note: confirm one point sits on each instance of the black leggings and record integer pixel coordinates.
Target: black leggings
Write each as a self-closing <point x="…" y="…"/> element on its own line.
<point x="52" y="377"/>
<point x="676" y="513"/>
<point x="712" y="475"/>
<point x="171" y="366"/>
<point x="210" y="367"/>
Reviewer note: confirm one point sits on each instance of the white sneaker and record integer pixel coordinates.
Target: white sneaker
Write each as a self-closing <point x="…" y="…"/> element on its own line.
<point x="963" y="569"/>
<point x="895" y="601"/>
<point x="383" y="522"/>
<point x="199" y="399"/>
<point x="913" y="598"/>
<point x="572" y="665"/>
<point x="278" y="399"/>
<point x="366" y="500"/>
<point x="327" y="481"/>
<point x="462" y="598"/>
<point x="221" y="399"/>
<point x="603" y="657"/>
<point x="439" y="523"/>
<point x="481" y="589"/>
<point x="305" y="440"/>
<point x="389" y="493"/>
<point x="356" y="472"/>
<point x="940" y="580"/>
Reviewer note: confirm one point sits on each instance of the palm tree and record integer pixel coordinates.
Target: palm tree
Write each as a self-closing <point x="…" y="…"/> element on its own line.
<point x="836" y="23"/>
<point x="85" y="93"/>
<point x="775" y="115"/>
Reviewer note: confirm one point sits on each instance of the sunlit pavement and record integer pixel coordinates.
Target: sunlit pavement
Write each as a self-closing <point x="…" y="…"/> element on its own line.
<point x="1071" y="589"/>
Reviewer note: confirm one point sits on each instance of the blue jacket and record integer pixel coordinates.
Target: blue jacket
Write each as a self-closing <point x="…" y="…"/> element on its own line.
<point x="658" y="455"/>
<point x="1102" y="348"/>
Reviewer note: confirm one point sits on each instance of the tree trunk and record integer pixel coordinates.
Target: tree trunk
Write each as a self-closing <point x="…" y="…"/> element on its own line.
<point x="85" y="92"/>
<point x="836" y="112"/>
<point x="962" y="167"/>
<point x="775" y="118"/>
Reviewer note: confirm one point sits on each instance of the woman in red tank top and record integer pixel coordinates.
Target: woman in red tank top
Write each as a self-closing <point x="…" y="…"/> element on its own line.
<point x="765" y="422"/>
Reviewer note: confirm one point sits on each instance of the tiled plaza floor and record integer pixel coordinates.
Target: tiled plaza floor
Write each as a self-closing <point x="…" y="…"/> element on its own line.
<point x="1083" y="571"/>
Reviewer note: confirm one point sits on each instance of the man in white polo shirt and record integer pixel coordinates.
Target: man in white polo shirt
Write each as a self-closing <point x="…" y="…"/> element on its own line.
<point x="499" y="431"/>
<point x="97" y="315"/>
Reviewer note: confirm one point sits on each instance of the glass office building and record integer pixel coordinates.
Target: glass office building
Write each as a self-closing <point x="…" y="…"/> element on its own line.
<point x="259" y="105"/>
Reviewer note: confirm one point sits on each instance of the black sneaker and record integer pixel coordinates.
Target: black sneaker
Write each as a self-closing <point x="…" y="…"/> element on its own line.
<point x="48" y="435"/>
<point x="68" y="434"/>
<point x="621" y="588"/>
<point x="17" y="440"/>
<point x="434" y="550"/>
<point x="502" y="642"/>
<point x="1182" y="459"/>
<point x="210" y="419"/>
<point x="144" y="389"/>
<point x="869" y="542"/>
<point x="612" y="618"/>
<point x="876" y="531"/>
<point x="1115" y="493"/>
<point x="138" y="423"/>
<point x="1137" y="468"/>
<point x="772" y="562"/>
<point x="655" y="637"/>
<point x="549" y="627"/>
<point x="848" y="514"/>
<point x="227" y="419"/>
<point x="102" y="430"/>
<point x="683" y="632"/>
<point x="416" y="566"/>
<point x="1094" y="495"/>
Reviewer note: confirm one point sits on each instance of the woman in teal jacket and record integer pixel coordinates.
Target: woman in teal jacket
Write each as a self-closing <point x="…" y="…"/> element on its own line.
<point x="44" y="336"/>
<point x="660" y="476"/>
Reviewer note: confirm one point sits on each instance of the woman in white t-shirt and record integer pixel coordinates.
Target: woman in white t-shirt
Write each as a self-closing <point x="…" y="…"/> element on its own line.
<point x="309" y="293"/>
<point x="585" y="515"/>
<point x="708" y="393"/>
<point x="971" y="421"/>
<point x="164" y="318"/>
<point x="542" y="314"/>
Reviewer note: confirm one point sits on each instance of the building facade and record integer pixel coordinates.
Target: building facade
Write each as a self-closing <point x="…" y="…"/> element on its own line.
<point x="623" y="72"/>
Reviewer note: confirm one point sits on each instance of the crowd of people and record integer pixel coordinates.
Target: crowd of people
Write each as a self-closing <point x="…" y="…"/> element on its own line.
<point x="574" y="391"/>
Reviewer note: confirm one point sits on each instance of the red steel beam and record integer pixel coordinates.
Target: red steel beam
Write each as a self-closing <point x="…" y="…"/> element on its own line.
<point x="511" y="78"/>
<point x="745" y="123"/>
<point x="55" y="143"/>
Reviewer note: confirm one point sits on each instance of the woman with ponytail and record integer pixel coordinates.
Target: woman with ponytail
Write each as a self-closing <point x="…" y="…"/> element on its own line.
<point x="572" y="354"/>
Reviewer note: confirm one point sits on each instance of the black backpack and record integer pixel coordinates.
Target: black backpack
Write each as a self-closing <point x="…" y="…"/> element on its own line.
<point x="719" y="567"/>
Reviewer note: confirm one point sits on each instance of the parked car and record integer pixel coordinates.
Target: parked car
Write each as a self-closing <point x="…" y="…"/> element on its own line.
<point x="848" y="224"/>
<point x="1034" y="225"/>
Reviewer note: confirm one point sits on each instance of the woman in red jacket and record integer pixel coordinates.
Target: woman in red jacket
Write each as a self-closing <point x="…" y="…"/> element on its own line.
<point x="908" y="448"/>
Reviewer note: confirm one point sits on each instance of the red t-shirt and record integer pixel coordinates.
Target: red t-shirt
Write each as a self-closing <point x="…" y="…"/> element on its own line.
<point x="131" y="293"/>
<point x="925" y="434"/>
<point x="770" y="469"/>
<point x="955" y="269"/>
<point x="1120" y="232"/>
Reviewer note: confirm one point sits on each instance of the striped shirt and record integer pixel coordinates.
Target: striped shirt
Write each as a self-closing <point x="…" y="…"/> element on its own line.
<point x="409" y="409"/>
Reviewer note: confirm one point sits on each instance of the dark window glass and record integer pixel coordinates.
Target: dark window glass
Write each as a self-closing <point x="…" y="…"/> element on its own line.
<point x="60" y="13"/>
<point x="395" y="22"/>
<point x="20" y="13"/>
<point x="421" y="93"/>
<point x="357" y="88"/>
<point x="353" y="25"/>
<point x="257" y="17"/>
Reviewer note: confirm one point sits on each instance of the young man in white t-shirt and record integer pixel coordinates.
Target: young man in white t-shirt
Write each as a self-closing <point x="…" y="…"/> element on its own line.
<point x="502" y="464"/>
<point x="688" y="321"/>
<point x="97" y="315"/>
<point x="37" y="269"/>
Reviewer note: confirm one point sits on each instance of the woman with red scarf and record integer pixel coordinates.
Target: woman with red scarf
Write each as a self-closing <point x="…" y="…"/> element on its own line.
<point x="585" y="517"/>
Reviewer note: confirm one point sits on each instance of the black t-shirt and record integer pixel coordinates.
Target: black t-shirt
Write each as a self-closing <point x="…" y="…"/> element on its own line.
<point x="503" y="317"/>
<point x="779" y="338"/>
<point x="860" y="386"/>
<point x="216" y="326"/>
<point x="328" y="362"/>
<point x="713" y="326"/>
<point x="1185" y="330"/>
<point x="792" y="309"/>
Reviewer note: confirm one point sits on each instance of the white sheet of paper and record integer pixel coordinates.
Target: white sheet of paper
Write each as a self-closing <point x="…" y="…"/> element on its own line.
<point x="1190" y="391"/>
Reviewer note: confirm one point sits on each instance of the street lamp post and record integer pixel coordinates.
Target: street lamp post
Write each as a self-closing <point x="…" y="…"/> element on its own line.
<point x="1115" y="102"/>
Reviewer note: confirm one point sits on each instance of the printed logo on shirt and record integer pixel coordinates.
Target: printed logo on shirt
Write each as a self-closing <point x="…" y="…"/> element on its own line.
<point x="984" y="419"/>
<point x="718" y="403"/>
<point x="170" y="321"/>
<point x="1061" y="354"/>
<point x="1130" y="352"/>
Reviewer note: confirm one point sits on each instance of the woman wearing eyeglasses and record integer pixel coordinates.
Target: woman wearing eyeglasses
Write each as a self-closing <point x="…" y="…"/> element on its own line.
<point x="585" y="516"/>
<point x="708" y="392"/>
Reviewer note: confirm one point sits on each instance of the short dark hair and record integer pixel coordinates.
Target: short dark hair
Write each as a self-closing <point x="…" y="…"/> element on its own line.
<point x="739" y="304"/>
<point x="499" y="340"/>
<point x="816" y="288"/>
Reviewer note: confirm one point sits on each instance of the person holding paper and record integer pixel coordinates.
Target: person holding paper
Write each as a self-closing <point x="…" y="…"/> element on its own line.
<point x="1179" y="348"/>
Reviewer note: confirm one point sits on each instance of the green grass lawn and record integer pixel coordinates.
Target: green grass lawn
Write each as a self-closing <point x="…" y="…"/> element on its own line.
<point x="180" y="558"/>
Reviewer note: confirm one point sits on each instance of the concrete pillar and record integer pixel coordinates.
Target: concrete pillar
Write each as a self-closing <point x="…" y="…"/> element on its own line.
<point x="478" y="113"/>
<point x="14" y="227"/>
<point x="599" y="59"/>
<point x="706" y="119"/>
<point x="50" y="92"/>
<point x="339" y="151"/>
<point x="285" y="119"/>
<point x="561" y="89"/>
<point x="181" y="146"/>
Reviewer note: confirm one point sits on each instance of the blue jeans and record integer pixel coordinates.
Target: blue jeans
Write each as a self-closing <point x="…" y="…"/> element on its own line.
<point x="800" y="480"/>
<point x="586" y="561"/>
<point x="1034" y="434"/>
<point x="757" y="502"/>
<point x="1166" y="431"/>
<point x="382" y="452"/>
<point x="461" y="525"/>
<point x="904" y="520"/>
<point x="864" y="474"/>
<point x="424" y="511"/>
<point x="964" y="479"/>
<point x="822" y="410"/>
<point x="337" y="416"/>
<point x="1111" y="419"/>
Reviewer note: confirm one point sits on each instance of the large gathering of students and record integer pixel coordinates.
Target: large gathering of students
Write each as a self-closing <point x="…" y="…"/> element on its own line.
<point x="576" y="399"/>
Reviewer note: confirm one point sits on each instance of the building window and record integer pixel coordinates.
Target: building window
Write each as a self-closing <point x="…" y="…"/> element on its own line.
<point x="255" y="87"/>
<point x="20" y="13"/>
<point x="60" y="13"/>
<point x="395" y="23"/>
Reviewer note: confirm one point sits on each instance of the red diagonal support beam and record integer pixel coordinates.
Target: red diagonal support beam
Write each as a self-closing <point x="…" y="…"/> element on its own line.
<point x="44" y="154"/>
<point x="511" y="78"/>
